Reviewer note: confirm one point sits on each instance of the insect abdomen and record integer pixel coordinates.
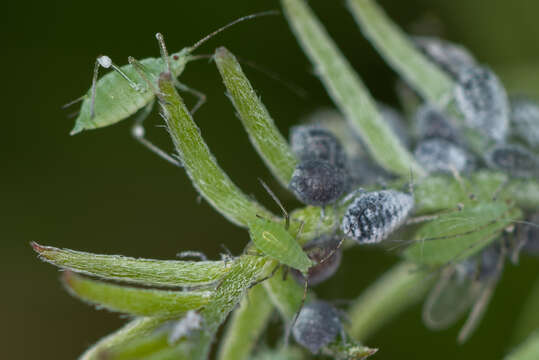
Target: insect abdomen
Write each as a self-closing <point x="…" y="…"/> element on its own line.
<point x="373" y="216"/>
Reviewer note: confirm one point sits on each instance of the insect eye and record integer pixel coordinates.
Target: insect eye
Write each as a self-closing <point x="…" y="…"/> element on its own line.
<point x="175" y="57"/>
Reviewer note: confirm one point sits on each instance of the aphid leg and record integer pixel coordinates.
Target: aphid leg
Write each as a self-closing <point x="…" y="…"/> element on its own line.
<point x="332" y="252"/>
<point x="164" y="52"/>
<point x="274" y="197"/>
<point x="481" y="304"/>
<point x="350" y="196"/>
<point x="273" y="272"/>
<point x="73" y="102"/>
<point x="139" y="132"/>
<point x="105" y="62"/>
<point x="201" y="96"/>
<point x="193" y="254"/>
<point x="141" y="71"/>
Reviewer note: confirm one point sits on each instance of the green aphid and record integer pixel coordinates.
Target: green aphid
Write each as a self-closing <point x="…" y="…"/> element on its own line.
<point x="124" y="91"/>
<point x="459" y="234"/>
<point x="274" y="240"/>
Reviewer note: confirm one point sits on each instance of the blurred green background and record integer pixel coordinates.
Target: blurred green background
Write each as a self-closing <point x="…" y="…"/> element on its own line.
<point x="100" y="191"/>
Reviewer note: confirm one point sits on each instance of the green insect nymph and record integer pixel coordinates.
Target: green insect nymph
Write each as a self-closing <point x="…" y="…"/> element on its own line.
<point x="275" y="241"/>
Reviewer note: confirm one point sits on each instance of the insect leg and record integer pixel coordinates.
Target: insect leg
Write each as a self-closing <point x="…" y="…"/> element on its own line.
<point x="138" y="133"/>
<point x="289" y="328"/>
<point x="201" y="96"/>
<point x="266" y="277"/>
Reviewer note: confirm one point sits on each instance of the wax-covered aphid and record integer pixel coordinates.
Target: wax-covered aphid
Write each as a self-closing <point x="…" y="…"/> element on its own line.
<point x="467" y="285"/>
<point x="449" y="56"/>
<point x="317" y="325"/>
<point x="274" y="240"/>
<point x="373" y="216"/>
<point x="318" y="183"/>
<point x="437" y="155"/>
<point x="482" y="99"/>
<point x="326" y="254"/>
<point x="433" y="123"/>
<point x="191" y="322"/>
<point x="124" y="91"/>
<point x="311" y="142"/>
<point x="513" y="159"/>
<point x="525" y="120"/>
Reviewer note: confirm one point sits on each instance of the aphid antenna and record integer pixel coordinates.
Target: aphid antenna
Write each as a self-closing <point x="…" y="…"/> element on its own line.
<point x="333" y="251"/>
<point x="243" y="18"/>
<point x="274" y="197"/>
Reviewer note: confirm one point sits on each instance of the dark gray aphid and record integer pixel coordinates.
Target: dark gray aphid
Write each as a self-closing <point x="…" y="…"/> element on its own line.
<point x="317" y="325"/>
<point x="318" y="183"/>
<point x="482" y="99"/>
<point x="449" y="56"/>
<point x="375" y="215"/>
<point x="397" y="123"/>
<point x="525" y="120"/>
<point x="310" y="142"/>
<point x="327" y="256"/>
<point x="433" y="123"/>
<point x="441" y="156"/>
<point x="513" y="159"/>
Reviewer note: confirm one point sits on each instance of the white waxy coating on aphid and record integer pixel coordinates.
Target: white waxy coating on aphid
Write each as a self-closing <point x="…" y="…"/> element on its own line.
<point x="482" y="99"/>
<point x="441" y="156"/>
<point x="431" y="122"/>
<point x="373" y="216"/>
<point x="449" y="56"/>
<point x="104" y="61"/>
<point x="317" y="325"/>
<point x="513" y="159"/>
<point x="312" y="142"/>
<point x="525" y="120"/>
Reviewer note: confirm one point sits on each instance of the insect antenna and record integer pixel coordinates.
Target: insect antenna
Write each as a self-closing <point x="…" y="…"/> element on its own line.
<point x="274" y="197"/>
<point x="243" y="18"/>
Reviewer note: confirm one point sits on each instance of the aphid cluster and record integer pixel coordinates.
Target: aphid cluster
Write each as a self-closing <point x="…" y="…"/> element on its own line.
<point x="448" y="56"/>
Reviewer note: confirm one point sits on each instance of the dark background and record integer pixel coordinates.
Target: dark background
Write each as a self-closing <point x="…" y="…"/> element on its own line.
<point x="100" y="191"/>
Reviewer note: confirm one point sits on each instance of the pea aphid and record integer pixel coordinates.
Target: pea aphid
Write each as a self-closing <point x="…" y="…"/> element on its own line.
<point x="463" y="286"/>
<point x="513" y="159"/>
<point x="482" y="99"/>
<point x="123" y="92"/>
<point x="449" y="56"/>
<point x="317" y="325"/>
<point x="325" y="252"/>
<point x="373" y="216"/>
<point x="437" y="155"/>
<point x="525" y="120"/>
<point x="275" y="241"/>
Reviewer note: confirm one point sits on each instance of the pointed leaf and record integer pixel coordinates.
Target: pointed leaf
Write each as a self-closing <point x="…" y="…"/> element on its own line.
<point x="142" y="302"/>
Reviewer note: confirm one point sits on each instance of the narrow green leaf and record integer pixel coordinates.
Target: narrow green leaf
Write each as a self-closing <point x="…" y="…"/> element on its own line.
<point x="135" y="329"/>
<point x="211" y="182"/>
<point x="141" y="271"/>
<point x="529" y="350"/>
<point x="141" y="302"/>
<point x="395" y="46"/>
<point x="256" y="120"/>
<point x="347" y="90"/>
<point x="246" y="325"/>
<point x="281" y="353"/>
<point x="245" y="271"/>
<point x="401" y="287"/>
